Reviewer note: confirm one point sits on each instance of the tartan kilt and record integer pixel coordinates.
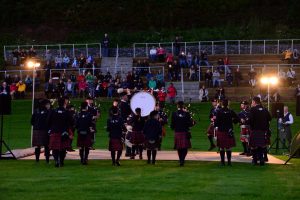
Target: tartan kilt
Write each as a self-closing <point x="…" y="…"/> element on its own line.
<point x="244" y="134"/>
<point x="210" y="130"/>
<point x="115" y="144"/>
<point x="85" y="140"/>
<point x="152" y="144"/>
<point x="224" y="140"/>
<point x="137" y="138"/>
<point x="40" y="138"/>
<point x="258" y="139"/>
<point x="164" y="131"/>
<point x="182" y="141"/>
<point x="57" y="143"/>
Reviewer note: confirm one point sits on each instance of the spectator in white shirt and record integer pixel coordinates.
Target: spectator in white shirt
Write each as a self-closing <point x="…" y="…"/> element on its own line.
<point x="58" y="62"/>
<point x="291" y="74"/>
<point x="216" y="79"/>
<point x="153" y="53"/>
<point x="66" y="61"/>
<point x="285" y="127"/>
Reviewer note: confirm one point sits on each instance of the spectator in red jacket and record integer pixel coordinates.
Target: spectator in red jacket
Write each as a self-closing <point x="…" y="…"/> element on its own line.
<point x="82" y="86"/>
<point x="170" y="59"/>
<point x="161" y="53"/>
<point x="161" y="96"/>
<point x="172" y="92"/>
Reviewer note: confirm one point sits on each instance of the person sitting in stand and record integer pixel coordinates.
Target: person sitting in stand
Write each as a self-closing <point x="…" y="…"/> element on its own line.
<point x="216" y="78"/>
<point x="21" y="89"/>
<point x="152" y="84"/>
<point x="161" y="53"/>
<point x="220" y="94"/>
<point x="252" y="77"/>
<point x="65" y="61"/>
<point x="288" y="54"/>
<point x="203" y="94"/>
<point x="238" y="77"/>
<point x="153" y="54"/>
<point x="70" y="88"/>
<point x="291" y="76"/>
<point x="229" y="78"/>
<point x="169" y="58"/>
<point x="182" y="60"/>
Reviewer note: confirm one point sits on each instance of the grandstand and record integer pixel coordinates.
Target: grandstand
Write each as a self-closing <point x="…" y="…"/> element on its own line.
<point x="243" y="54"/>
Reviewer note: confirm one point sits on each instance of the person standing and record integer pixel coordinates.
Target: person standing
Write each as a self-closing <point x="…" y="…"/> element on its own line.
<point x="259" y="125"/>
<point x="224" y="128"/>
<point x="58" y="122"/>
<point x="163" y="119"/>
<point x="181" y="122"/>
<point x="84" y="126"/>
<point x="137" y="138"/>
<point x="153" y="133"/>
<point x="172" y="92"/>
<point x="115" y="128"/>
<point x="287" y="120"/>
<point x="245" y="127"/>
<point x="40" y="129"/>
<point x="105" y="46"/>
<point x="211" y="129"/>
<point x="94" y="111"/>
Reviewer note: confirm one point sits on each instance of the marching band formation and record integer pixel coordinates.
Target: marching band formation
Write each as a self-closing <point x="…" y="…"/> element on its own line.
<point x="54" y="129"/>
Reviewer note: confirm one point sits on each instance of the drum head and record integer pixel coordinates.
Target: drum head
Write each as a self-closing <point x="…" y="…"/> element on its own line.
<point x="143" y="100"/>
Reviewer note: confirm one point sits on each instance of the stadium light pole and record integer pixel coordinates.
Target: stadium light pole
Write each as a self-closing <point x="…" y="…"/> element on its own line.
<point x="33" y="65"/>
<point x="272" y="80"/>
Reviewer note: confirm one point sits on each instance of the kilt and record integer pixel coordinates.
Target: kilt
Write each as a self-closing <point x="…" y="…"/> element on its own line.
<point x="258" y="139"/>
<point x="164" y="132"/>
<point x="85" y="140"/>
<point x="224" y="140"/>
<point x="40" y="138"/>
<point x="245" y="135"/>
<point x="182" y="140"/>
<point x="57" y="143"/>
<point x="137" y="138"/>
<point x="152" y="144"/>
<point x="115" y="144"/>
<point x="210" y="130"/>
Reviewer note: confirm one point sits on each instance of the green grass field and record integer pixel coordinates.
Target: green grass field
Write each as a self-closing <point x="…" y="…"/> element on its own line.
<point x="25" y="179"/>
<point x="17" y="126"/>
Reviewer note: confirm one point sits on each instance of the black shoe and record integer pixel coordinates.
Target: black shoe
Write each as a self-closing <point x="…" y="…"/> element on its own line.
<point x="242" y="154"/>
<point x="181" y="164"/>
<point x="266" y="159"/>
<point x="229" y="164"/>
<point x="71" y="150"/>
<point x="141" y="157"/>
<point x="56" y="164"/>
<point x="118" y="163"/>
<point x="261" y="163"/>
<point x="127" y="154"/>
<point x="222" y="164"/>
<point x="153" y="163"/>
<point x="148" y="162"/>
<point x="254" y="163"/>
<point x="132" y="157"/>
<point x="113" y="164"/>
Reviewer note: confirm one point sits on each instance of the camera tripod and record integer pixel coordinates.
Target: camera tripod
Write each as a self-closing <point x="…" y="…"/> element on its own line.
<point x="3" y="143"/>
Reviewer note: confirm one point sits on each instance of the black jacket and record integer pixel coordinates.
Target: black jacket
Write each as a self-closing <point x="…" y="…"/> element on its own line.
<point x="152" y="129"/>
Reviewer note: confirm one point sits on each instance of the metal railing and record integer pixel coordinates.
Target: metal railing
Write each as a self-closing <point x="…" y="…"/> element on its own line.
<point x="262" y="47"/>
<point x="72" y="50"/>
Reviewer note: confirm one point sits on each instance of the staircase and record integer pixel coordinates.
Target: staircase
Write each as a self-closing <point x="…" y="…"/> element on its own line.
<point x="123" y="65"/>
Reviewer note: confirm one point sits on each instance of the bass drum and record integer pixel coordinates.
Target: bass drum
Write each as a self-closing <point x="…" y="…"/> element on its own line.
<point x="143" y="100"/>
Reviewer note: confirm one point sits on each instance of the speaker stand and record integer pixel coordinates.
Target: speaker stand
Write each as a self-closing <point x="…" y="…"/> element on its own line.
<point x="2" y="142"/>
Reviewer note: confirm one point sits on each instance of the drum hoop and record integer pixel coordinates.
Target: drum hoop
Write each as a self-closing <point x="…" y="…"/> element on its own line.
<point x="150" y="95"/>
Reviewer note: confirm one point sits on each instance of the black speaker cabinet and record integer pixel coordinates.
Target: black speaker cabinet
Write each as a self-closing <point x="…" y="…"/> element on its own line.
<point x="298" y="106"/>
<point x="5" y="104"/>
<point x="277" y="107"/>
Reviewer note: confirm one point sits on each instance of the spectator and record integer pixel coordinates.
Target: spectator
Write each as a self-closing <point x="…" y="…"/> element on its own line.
<point x="229" y="78"/>
<point x="252" y="77"/>
<point x="105" y="46"/>
<point x="170" y="59"/>
<point x="75" y="63"/>
<point x="193" y="75"/>
<point x="204" y="58"/>
<point x="295" y="55"/>
<point x="90" y="79"/>
<point x="182" y="60"/>
<point x="104" y="88"/>
<point x="82" y="87"/>
<point x="203" y="94"/>
<point x="171" y="72"/>
<point x="220" y="63"/>
<point x="70" y="88"/>
<point x="145" y="65"/>
<point x="152" y="83"/>
<point x="139" y="67"/>
<point x="176" y="46"/>
<point x="4" y="89"/>
<point x="65" y="61"/>
<point x="107" y="77"/>
<point x="139" y="85"/>
<point x="28" y="82"/>
<point x="8" y="79"/>
<point x="31" y="53"/>
<point x="50" y="89"/>
<point x="216" y="78"/>
<point x="48" y="56"/>
<point x="13" y="89"/>
<point x="16" y="55"/>
<point x="291" y="76"/>
<point x="208" y="78"/>
<point x="82" y="61"/>
<point x="98" y="90"/>
<point x="21" y="90"/>
<point x="110" y="89"/>
<point x="61" y="88"/>
<point x="220" y="94"/>
<point x="160" y="79"/>
<point x="47" y="68"/>
<point x="153" y="54"/>
<point x="58" y="62"/>
<point x="161" y="53"/>
<point x="297" y="91"/>
<point x="189" y="59"/>
<point x="287" y="55"/>
<point x="238" y="77"/>
<point x="172" y="92"/>
<point x="161" y="96"/>
<point x="196" y="59"/>
<point x="176" y="70"/>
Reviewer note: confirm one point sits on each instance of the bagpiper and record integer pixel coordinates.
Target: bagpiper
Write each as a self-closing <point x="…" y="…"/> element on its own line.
<point x="225" y="118"/>
<point x="244" y="117"/>
<point x="181" y="123"/>
<point x="211" y="129"/>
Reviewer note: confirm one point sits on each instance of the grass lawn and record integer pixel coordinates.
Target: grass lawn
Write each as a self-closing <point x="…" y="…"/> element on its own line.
<point x="17" y="127"/>
<point x="136" y="180"/>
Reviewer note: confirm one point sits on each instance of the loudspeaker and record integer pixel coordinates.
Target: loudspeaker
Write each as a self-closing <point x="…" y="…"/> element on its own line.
<point x="277" y="107"/>
<point x="5" y="104"/>
<point x="298" y="106"/>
